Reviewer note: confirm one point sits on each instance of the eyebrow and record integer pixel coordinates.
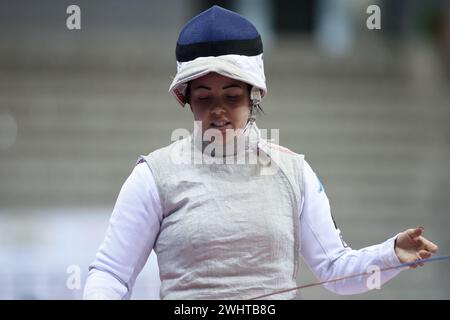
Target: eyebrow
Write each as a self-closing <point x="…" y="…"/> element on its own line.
<point x="233" y="85"/>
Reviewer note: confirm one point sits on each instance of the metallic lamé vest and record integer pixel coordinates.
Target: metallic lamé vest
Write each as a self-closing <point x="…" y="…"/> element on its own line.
<point x="229" y="231"/>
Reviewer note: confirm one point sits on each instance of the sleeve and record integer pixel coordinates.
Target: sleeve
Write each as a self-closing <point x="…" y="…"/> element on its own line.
<point x="130" y="237"/>
<point x="326" y="253"/>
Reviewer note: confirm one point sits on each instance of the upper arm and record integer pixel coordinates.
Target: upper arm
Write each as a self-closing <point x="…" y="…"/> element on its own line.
<point x="321" y="240"/>
<point x="133" y="228"/>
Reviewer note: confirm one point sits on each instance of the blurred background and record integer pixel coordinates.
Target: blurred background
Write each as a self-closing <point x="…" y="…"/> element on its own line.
<point x="370" y="109"/>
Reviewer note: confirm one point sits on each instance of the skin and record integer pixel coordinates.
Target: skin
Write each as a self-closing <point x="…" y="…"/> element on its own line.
<point x="411" y="246"/>
<point x="214" y="97"/>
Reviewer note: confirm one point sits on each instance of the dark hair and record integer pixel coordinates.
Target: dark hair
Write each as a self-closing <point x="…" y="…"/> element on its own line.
<point x="187" y="95"/>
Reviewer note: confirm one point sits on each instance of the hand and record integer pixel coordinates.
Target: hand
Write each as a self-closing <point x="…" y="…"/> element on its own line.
<point x="411" y="246"/>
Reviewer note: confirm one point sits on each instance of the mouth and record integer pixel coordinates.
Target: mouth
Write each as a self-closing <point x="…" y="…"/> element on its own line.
<point x="221" y="125"/>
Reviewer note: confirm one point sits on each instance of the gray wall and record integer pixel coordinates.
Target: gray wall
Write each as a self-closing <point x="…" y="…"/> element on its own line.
<point x="78" y="107"/>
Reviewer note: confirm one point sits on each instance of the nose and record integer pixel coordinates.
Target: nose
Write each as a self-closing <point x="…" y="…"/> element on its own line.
<point x="217" y="108"/>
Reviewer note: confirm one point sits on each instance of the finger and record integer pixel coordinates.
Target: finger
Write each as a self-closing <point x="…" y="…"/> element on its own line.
<point x="424" y="254"/>
<point x="421" y="264"/>
<point x="412" y="263"/>
<point x="428" y="245"/>
<point x="418" y="258"/>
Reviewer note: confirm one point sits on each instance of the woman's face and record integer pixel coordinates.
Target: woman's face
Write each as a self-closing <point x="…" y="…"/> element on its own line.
<point x="219" y="102"/>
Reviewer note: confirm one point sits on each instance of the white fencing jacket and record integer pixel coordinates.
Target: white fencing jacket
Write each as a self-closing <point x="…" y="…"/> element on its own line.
<point x="136" y="219"/>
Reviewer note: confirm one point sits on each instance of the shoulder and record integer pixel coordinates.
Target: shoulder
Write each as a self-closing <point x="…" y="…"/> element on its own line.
<point x="284" y="155"/>
<point x="141" y="177"/>
<point x="284" y="150"/>
<point x="305" y="173"/>
<point x="291" y="163"/>
<point x="311" y="179"/>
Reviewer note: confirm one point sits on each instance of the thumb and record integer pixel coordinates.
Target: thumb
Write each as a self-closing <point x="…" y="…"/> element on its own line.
<point x="415" y="233"/>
